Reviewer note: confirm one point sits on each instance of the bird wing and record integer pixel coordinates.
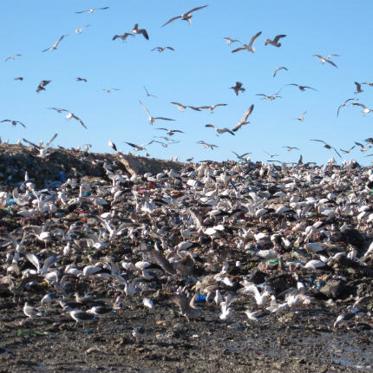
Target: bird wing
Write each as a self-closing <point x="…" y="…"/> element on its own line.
<point x="144" y="34"/>
<point x="145" y="108"/>
<point x="278" y="37"/>
<point x="20" y="123"/>
<point x="52" y="139"/>
<point x="171" y="20"/>
<point x="238" y="49"/>
<point x="252" y="40"/>
<point x="164" y="118"/>
<point x="359" y="104"/>
<point x="322" y="141"/>
<point x="33" y="260"/>
<point x="247" y="113"/>
<point x="337" y="152"/>
<point x="195" y="9"/>
<point x="331" y="63"/>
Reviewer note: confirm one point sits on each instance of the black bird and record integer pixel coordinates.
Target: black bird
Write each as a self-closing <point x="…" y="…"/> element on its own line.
<point x="42" y="85"/>
<point x="238" y="87"/>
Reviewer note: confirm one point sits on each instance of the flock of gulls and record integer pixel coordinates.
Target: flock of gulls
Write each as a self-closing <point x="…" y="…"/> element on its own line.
<point x="238" y="88"/>
<point x="237" y="239"/>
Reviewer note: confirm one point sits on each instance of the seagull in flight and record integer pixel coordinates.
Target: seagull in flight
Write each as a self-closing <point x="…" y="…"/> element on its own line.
<point x="344" y="104"/>
<point x="80" y="29"/>
<point x="91" y="10"/>
<point x="211" y="107"/>
<point x="272" y="97"/>
<point x="220" y="131"/>
<point x="326" y="59"/>
<point x="230" y="40"/>
<point x="207" y="145"/>
<point x="138" y="148"/>
<point x="123" y="36"/>
<point x="358" y="88"/>
<point x="152" y="119"/>
<point x="69" y="115"/>
<point x="302" y="87"/>
<point x="14" y="123"/>
<point x="112" y="145"/>
<point x="275" y="41"/>
<point x="301" y="117"/>
<point x="279" y="69"/>
<point x="162" y="49"/>
<point x="249" y="47"/>
<point x="42" y="85"/>
<point x="148" y="94"/>
<point x="327" y="146"/>
<point x="290" y="148"/>
<point x="244" y="120"/>
<point x="237" y="88"/>
<point x="179" y="105"/>
<point x="136" y="30"/>
<point x="242" y="157"/>
<point x="170" y="132"/>
<point x="187" y="16"/>
<point x="347" y="151"/>
<point x="365" y="110"/>
<point x="79" y="79"/>
<point x="55" y="45"/>
<point x="13" y="57"/>
<point x="271" y="155"/>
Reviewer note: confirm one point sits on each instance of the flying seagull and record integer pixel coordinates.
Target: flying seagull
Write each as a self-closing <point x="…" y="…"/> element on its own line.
<point x="242" y="157"/>
<point x="79" y="79"/>
<point x="271" y="97"/>
<point x="302" y="87"/>
<point x="42" y="85"/>
<point x="187" y="16"/>
<point x="344" y="104"/>
<point x="324" y="59"/>
<point x="249" y="47"/>
<point x="244" y="120"/>
<point x="152" y="119"/>
<point x="20" y="78"/>
<point x="275" y="41"/>
<point x="123" y="36"/>
<point x="13" y="57"/>
<point x="220" y="131"/>
<point x="211" y="108"/>
<point x="365" y="110"/>
<point x="179" y="105"/>
<point x="148" y="94"/>
<point x="301" y="117"/>
<point x="112" y="145"/>
<point x="170" y="132"/>
<point x="271" y="155"/>
<point x="91" y="10"/>
<point x="347" y="151"/>
<point x="290" y="148"/>
<point x="136" y="30"/>
<point x="138" y="148"/>
<point x="358" y="88"/>
<point x="279" y="69"/>
<point x="13" y="122"/>
<point x="327" y="146"/>
<point x="207" y="145"/>
<point x="80" y="29"/>
<point x="237" y="88"/>
<point x="69" y="115"/>
<point x="55" y="45"/>
<point x="230" y="40"/>
<point x="162" y="49"/>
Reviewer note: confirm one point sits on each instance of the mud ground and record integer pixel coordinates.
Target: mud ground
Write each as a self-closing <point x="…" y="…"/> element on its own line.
<point x="299" y="341"/>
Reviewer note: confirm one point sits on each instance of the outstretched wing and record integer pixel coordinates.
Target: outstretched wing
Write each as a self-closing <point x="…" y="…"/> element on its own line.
<point x="171" y="20"/>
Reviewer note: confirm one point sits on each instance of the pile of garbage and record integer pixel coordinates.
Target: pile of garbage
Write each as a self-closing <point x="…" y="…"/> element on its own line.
<point x="245" y="240"/>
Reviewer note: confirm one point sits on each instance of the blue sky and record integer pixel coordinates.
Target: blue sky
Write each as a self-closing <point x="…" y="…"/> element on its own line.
<point x="199" y="72"/>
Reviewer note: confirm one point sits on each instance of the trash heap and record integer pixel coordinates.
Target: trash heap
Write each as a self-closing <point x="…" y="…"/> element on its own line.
<point x="246" y="241"/>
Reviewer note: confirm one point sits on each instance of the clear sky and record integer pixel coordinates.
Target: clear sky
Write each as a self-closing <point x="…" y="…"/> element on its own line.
<point x="199" y="72"/>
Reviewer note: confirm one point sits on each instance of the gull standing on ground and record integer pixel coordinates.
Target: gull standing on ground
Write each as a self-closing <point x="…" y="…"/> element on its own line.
<point x="69" y="115"/>
<point x="152" y="119"/>
<point x="249" y="47"/>
<point x="187" y="16"/>
<point x="30" y="311"/>
<point x="275" y="41"/>
<point x="244" y="120"/>
<point x="136" y="30"/>
<point x="237" y="88"/>
<point x="279" y="69"/>
<point x="55" y="45"/>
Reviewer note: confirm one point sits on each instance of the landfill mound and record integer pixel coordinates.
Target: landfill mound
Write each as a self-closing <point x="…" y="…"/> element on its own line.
<point x="206" y="267"/>
<point x="61" y="163"/>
